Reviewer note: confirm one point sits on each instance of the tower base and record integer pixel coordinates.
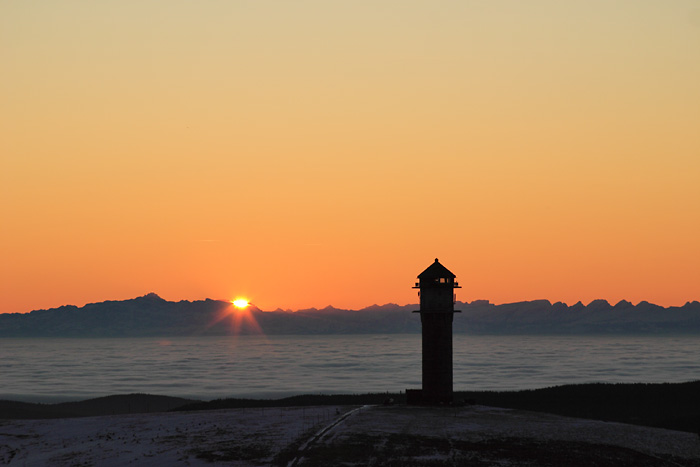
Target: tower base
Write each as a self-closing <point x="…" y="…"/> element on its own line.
<point x="418" y="397"/>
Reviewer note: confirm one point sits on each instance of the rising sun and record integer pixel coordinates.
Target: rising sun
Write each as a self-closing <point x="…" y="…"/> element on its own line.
<point x="240" y="303"/>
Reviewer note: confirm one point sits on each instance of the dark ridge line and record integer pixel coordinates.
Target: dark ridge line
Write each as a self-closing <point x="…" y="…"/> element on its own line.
<point x="674" y="406"/>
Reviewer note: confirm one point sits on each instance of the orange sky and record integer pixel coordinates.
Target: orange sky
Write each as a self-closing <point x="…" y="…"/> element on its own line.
<point x="311" y="153"/>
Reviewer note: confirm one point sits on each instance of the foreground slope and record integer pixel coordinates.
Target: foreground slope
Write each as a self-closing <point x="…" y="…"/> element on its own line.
<point x="314" y="436"/>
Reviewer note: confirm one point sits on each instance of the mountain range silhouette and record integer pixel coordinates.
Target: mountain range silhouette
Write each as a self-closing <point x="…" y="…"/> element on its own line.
<point x="150" y="315"/>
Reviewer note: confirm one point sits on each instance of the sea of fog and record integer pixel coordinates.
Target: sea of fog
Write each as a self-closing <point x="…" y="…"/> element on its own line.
<point x="52" y="370"/>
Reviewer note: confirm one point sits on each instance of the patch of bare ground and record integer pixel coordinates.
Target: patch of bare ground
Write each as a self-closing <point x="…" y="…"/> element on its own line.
<point x="425" y="451"/>
<point x="480" y="436"/>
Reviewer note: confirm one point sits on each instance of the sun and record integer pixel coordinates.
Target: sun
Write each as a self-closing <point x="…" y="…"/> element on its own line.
<point x="240" y="303"/>
<point x="240" y="314"/>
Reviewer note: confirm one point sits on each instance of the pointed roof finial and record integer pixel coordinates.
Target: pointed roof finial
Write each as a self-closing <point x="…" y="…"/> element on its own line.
<point x="436" y="270"/>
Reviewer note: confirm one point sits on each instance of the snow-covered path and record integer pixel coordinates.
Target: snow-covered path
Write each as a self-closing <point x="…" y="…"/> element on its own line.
<point x="318" y="436"/>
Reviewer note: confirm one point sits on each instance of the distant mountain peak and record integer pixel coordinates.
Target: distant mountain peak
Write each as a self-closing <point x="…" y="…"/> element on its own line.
<point x="152" y="296"/>
<point x="599" y="305"/>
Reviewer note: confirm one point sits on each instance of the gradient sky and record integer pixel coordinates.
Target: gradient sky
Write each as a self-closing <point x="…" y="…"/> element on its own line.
<point x="307" y="153"/>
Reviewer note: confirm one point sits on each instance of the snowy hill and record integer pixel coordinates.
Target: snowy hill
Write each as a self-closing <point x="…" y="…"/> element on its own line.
<point x="320" y="436"/>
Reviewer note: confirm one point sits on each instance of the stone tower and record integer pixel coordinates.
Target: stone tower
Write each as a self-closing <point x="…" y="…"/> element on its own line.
<point x="437" y="298"/>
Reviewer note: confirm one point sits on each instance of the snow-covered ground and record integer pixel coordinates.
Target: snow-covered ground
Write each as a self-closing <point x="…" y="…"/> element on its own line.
<point x="238" y="437"/>
<point x="328" y="435"/>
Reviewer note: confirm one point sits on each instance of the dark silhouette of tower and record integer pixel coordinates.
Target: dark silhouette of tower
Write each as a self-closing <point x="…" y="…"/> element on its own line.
<point x="437" y="300"/>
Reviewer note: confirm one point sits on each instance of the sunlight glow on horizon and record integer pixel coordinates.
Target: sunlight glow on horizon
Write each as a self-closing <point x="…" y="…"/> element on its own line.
<point x="240" y="303"/>
<point x="240" y="318"/>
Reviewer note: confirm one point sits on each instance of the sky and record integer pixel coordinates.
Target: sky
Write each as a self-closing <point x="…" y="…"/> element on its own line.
<point x="312" y="153"/>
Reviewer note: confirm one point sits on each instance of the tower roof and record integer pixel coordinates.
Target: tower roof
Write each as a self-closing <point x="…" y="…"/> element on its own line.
<point x="436" y="270"/>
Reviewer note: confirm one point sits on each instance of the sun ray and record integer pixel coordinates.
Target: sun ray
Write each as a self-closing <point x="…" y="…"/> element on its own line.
<point x="240" y="315"/>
